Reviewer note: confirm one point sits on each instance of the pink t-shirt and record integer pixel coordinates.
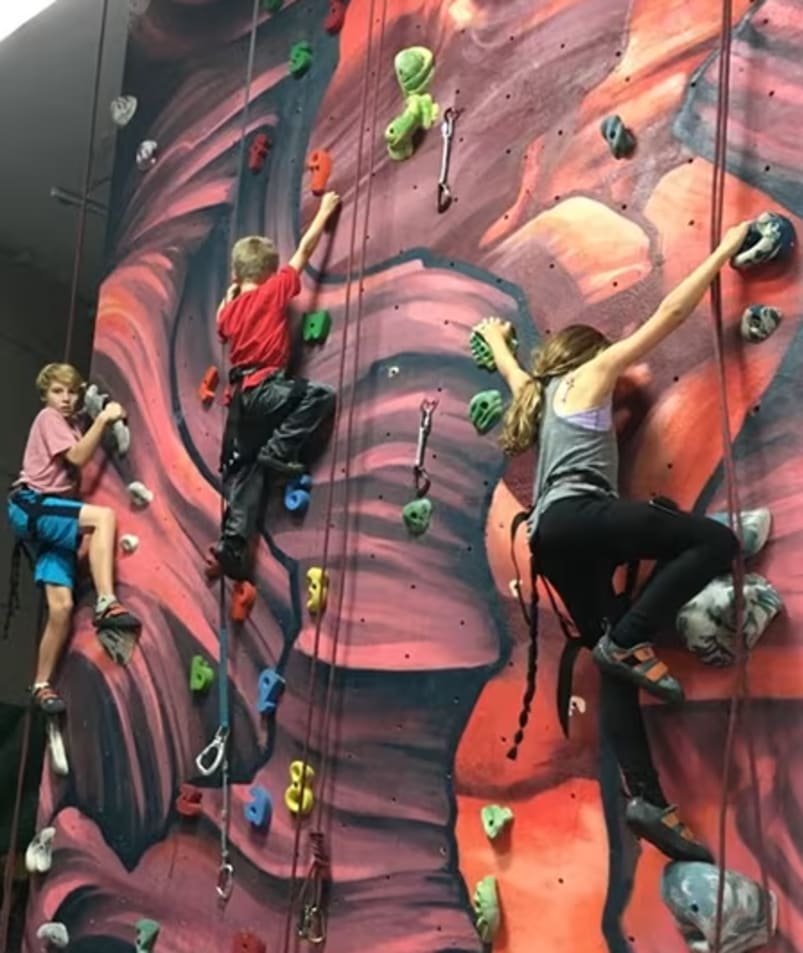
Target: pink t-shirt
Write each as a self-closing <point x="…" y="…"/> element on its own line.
<point x="44" y="468"/>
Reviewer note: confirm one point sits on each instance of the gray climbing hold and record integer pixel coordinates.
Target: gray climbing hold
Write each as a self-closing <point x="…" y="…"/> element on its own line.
<point x="749" y="917"/>
<point x="122" y="110"/>
<point x="39" y="854"/>
<point x="755" y="528"/>
<point x="620" y="139"/>
<point x="495" y="819"/>
<point x="56" y="934"/>
<point x="146" y="155"/>
<point x="417" y="515"/>
<point x="758" y="322"/>
<point x="771" y="237"/>
<point x="140" y="495"/>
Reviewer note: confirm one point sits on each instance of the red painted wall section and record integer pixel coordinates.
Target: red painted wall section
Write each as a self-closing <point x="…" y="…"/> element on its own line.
<point x="429" y="650"/>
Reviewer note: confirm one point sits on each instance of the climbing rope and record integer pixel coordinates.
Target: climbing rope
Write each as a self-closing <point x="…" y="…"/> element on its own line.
<point x="78" y="251"/>
<point x="741" y="693"/>
<point x="215" y="756"/>
<point x="312" y="921"/>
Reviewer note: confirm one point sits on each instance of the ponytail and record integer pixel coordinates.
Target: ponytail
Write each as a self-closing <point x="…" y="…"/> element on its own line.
<point x="522" y="418"/>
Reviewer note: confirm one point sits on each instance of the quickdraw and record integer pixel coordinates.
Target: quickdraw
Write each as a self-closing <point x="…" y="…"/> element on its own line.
<point x="447" y="134"/>
<point x="312" y="919"/>
<point x="421" y="477"/>
<point x="214" y="757"/>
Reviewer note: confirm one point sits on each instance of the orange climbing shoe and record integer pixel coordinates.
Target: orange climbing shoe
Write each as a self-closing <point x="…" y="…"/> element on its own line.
<point x="116" y="616"/>
<point x="662" y="827"/>
<point x="638" y="664"/>
<point x="47" y="698"/>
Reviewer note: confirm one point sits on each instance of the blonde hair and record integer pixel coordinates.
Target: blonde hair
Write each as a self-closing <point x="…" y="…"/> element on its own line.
<point x="254" y="258"/>
<point x="560" y="353"/>
<point x="63" y="373"/>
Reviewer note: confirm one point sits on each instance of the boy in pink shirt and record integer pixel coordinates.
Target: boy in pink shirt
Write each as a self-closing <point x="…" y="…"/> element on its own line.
<point x="45" y="513"/>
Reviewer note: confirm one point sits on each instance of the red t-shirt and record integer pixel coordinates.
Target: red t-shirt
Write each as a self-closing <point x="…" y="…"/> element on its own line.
<point x="255" y="325"/>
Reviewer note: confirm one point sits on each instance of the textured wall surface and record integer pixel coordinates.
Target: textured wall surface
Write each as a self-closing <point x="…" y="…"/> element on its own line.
<point x="547" y="228"/>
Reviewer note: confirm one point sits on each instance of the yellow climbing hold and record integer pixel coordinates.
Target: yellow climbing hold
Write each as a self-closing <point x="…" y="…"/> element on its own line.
<point x="299" y="797"/>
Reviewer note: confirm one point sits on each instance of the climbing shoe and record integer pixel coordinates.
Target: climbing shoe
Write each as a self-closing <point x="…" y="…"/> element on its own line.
<point x="233" y="558"/>
<point x="662" y="827"/>
<point x="640" y="665"/>
<point x="289" y="468"/>
<point x="116" y="616"/>
<point x="47" y="698"/>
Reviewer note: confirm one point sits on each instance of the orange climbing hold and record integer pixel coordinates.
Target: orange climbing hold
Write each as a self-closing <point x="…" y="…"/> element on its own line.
<point x="333" y="22"/>
<point x="208" y="386"/>
<point x="188" y="802"/>
<point x="242" y="601"/>
<point x="319" y="164"/>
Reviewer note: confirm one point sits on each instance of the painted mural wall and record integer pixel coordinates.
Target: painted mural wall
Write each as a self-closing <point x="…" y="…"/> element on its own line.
<point x="546" y="228"/>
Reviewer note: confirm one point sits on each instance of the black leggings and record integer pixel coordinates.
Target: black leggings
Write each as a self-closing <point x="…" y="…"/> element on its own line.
<point x="579" y="543"/>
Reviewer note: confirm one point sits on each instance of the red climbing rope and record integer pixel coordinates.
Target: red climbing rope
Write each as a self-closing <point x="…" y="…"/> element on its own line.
<point x="313" y="882"/>
<point x="741" y="692"/>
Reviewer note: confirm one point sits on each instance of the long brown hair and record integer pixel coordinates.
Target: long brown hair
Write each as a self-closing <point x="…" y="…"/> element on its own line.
<point x="560" y="353"/>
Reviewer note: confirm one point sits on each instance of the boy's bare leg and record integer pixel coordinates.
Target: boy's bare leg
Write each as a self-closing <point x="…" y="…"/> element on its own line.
<point x="57" y="629"/>
<point x="101" y="522"/>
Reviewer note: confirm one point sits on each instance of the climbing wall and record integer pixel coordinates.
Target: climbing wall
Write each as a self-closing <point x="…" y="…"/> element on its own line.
<point x="409" y="729"/>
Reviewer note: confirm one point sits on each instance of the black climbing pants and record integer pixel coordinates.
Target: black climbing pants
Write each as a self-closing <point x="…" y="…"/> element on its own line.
<point x="276" y="418"/>
<point x="579" y="543"/>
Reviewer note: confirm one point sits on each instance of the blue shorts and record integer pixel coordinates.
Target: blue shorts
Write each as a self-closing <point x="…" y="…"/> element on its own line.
<point x="49" y="526"/>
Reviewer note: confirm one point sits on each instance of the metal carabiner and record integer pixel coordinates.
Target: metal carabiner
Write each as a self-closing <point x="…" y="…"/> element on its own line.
<point x="216" y="749"/>
<point x="447" y="132"/>
<point x="312" y="924"/>
<point x="422" y="481"/>
<point x="225" y="880"/>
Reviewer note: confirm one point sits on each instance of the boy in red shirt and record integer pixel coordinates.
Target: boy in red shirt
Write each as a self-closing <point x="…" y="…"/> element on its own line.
<point x="45" y="513"/>
<point x="271" y="416"/>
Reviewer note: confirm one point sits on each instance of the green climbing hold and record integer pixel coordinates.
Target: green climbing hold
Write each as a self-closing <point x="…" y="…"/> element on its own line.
<point x="147" y="931"/>
<point x="414" y="69"/>
<point x="420" y="112"/>
<point x="495" y="819"/>
<point x="272" y="6"/>
<point x="300" y="58"/>
<point x="481" y="352"/>
<point x="486" y="909"/>
<point x="485" y="410"/>
<point x="201" y="674"/>
<point x="417" y="515"/>
<point x="316" y="326"/>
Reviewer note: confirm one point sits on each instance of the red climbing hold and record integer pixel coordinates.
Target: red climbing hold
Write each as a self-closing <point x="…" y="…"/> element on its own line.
<point x="333" y="23"/>
<point x="188" y="802"/>
<point x="245" y="942"/>
<point x="208" y="385"/>
<point x="258" y="152"/>
<point x="319" y="164"/>
<point x="242" y="601"/>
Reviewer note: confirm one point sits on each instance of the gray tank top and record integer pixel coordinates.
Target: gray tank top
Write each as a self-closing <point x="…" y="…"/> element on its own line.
<point x="567" y="450"/>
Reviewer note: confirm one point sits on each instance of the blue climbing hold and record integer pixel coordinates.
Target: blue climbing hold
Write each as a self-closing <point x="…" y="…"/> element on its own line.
<point x="297" y="494"/>
<point x="771" y="237"/>
<point x="269" y="690"/>
<point x="259" y="810"/>
<point x="620" y="139"/>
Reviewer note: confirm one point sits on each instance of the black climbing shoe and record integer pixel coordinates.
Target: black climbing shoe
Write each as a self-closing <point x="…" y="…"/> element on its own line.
<point x="638" y="664"/>
<point x="47" y="698"/>
<point x="662" y="827"/>
<point x="233" y="559"/>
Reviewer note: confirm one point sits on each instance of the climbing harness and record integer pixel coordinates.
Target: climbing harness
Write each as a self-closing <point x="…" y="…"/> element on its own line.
<point x="447" y="134"/>
<point x="420" y="475"/>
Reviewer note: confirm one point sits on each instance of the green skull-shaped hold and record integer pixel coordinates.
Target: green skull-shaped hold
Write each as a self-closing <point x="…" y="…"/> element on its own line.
<point x="147" y="931"/>
<point x="300" y="58"/>
<point x="485" y="410"/>
<point x="414" y="68"/>
<point x="417" y="515"/>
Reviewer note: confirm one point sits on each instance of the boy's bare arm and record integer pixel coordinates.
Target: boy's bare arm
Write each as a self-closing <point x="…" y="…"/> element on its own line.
<point x="310" y="238"/>
<point x="81" y="453"/>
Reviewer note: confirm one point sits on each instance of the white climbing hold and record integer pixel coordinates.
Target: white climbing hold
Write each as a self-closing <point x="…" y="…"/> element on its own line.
<point x="122" y="436"/>
<point x="129" y="543"/>
<point x="140" y="495"/>
<point x="146" y="154"/>
<point x="755" y="526"/>
<point x="486" y="909"/>
<point x="56" y="934"/>
<point x="514" y="588"/>
<point x="577" y="704"/>
<point x="393" y="371"/>
<point x="58" y="752"/>
<point x="39" y="854"/>
<point x="122" y="110"/>
<point x="94" y="400"/>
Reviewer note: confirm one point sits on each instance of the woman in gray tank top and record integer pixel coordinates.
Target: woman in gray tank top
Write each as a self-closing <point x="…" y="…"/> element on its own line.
<point x="581" y="530"/>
